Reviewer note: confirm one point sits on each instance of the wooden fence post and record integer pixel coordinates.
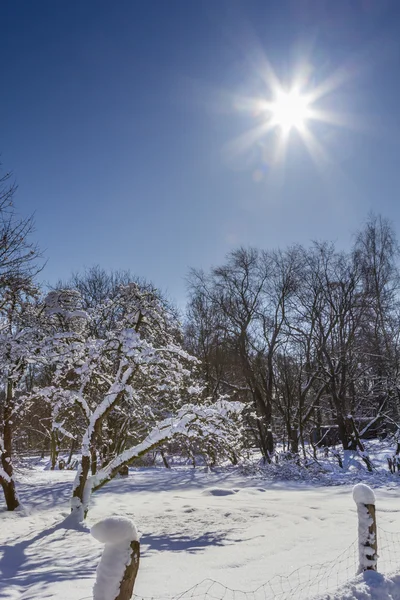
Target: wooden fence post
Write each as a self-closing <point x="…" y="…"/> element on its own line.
<point x="119" y="563"/>
<point x="129" y="577"/>
<point x="364" y="497"/>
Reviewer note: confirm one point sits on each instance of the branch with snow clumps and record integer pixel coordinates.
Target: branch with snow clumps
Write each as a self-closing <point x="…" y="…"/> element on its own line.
<point x="213" y="416"/>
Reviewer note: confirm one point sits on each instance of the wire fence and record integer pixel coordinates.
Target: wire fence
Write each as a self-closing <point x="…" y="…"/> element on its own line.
<point x="304" y="583"/>
<point x="388" y="551"/>
<point x="301" y="584"/>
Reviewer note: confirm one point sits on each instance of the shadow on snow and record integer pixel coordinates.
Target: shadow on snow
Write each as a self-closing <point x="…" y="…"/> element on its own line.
<point x="181" y="543"/>
<point x="58" y="562"/>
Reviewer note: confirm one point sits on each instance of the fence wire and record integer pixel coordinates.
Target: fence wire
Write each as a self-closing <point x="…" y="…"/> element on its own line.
<point x="388" y="550"/>
<point x="302" y="584"/>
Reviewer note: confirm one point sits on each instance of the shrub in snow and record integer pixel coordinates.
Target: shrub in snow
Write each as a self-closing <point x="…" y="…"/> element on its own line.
<point x="118" y="567"/>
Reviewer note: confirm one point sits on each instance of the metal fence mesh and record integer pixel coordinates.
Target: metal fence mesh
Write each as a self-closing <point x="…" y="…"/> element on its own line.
<point x="304" y="583"/>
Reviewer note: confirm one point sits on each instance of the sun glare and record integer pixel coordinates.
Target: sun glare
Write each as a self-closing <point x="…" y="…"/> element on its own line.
<point x="281" y="108"/>
<point x="290" y="110"/>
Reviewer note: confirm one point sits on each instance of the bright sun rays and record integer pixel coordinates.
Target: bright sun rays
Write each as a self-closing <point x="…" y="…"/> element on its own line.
<point x="283" y="112"/>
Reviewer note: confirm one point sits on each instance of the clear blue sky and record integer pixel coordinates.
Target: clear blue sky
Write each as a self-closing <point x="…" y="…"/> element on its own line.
<point x="115" y="118"/>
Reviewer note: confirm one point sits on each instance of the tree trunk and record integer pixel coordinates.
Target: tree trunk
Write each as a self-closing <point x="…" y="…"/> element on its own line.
<point x="344" y="427"/>
<point x="10" y="493"/>
<point x="7" y="481"/>
<point x="54" y="450"/>
<point x="78" y="500"/>
<point x="293" y="438"/>
<point x="164" y="458"/>
<point x="264" y="414"/>
<point x="358" y="443"/>
<point x="93" y="466"/>
<point x="71" y="452"/>
<point x="80" y="493"/>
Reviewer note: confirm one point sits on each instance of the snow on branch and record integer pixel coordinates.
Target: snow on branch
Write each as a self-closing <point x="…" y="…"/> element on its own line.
<point x="213" y="418"/>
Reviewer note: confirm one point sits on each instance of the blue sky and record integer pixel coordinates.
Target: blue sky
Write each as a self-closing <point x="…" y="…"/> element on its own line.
<point x="119" y="121"/>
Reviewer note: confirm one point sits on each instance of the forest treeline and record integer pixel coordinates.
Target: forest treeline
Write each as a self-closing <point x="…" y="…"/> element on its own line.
<point x="296" y="346"/>
<point x="308" y="338"/>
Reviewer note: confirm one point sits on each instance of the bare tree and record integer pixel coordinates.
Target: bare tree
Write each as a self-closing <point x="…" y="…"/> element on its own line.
<point x="376" y="251"/>
<point x="18" y="266"/>
<point x="246" y="300"/>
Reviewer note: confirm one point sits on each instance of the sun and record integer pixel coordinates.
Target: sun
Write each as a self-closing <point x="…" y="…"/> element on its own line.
<point x="281" y="107"/>
<point x="289" y="110"/>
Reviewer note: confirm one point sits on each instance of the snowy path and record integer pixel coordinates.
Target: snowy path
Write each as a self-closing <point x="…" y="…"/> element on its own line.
<point x="237" y="530"/>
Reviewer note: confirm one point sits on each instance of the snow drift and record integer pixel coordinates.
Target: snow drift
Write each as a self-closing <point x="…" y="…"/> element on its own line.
<point x="368" y="586"/>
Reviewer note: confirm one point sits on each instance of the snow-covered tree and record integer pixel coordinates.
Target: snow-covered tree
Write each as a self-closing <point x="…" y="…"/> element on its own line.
<point x="134" y="383"/>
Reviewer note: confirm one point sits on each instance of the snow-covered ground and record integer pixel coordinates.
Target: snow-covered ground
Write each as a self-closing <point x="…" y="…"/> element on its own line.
<point x="238" y="530"/>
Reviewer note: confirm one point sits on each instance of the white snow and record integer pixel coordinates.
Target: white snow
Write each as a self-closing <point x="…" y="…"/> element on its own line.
<point x="367" y="557"/>
<point x="368" y="586"/>
<point x="116" y="533"/>
<point x="198" y="524"/>
<point x="363" y="494"/>
<point x="114" y="530"/>
<point x="110" y="570"/>
<point x="4" y="475"/>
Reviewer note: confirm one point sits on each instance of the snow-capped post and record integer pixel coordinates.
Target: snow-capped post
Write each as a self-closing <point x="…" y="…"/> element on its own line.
<point x="119" y="563"/>
<point x="364" y="497"/>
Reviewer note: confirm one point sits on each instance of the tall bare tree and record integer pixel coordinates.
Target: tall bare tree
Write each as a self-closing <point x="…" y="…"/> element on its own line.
<point x="18" y="266"/>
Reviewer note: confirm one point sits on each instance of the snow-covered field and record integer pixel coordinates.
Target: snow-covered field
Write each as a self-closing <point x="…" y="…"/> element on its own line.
<point x="238" y="530"/>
